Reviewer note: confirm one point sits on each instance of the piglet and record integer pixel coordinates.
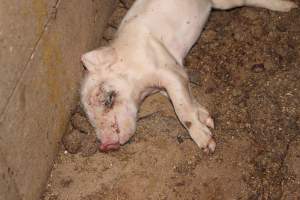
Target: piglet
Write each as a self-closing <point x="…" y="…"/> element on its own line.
<point x="146" y="56"/>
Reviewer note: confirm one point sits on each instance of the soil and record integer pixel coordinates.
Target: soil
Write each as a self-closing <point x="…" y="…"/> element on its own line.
<point x="245" y="69"/>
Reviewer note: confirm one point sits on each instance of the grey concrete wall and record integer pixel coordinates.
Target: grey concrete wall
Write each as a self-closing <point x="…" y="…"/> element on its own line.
<point x="40" y="46"/>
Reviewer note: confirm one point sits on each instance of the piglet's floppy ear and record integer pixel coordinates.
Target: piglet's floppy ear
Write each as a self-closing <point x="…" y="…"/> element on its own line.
<point x="99" y="59"/>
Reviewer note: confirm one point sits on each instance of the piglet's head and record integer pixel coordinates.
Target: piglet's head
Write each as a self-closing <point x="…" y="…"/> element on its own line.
<point x="107" y="100"/>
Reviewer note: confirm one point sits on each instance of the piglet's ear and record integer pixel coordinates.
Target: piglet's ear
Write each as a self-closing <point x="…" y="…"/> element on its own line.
<point x="99" y="59"/>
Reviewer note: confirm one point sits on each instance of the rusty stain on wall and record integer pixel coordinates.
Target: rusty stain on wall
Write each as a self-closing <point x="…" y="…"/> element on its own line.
<point x="39" y="8"/>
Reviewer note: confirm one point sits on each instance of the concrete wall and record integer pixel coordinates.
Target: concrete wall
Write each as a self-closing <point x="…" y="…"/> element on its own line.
<point x="8" y="189"/>
<point x="40" y="46"/>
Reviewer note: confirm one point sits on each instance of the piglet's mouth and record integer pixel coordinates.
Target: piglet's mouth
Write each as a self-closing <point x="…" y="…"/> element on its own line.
<point x="109" y="147"/>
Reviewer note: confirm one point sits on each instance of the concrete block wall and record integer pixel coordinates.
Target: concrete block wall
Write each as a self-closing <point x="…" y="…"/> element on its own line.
<point x="40" y="46"/>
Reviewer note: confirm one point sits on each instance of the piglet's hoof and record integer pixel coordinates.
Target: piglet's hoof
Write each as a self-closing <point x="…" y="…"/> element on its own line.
<point x="211" y="146"/>
<point x="106" y="147"/>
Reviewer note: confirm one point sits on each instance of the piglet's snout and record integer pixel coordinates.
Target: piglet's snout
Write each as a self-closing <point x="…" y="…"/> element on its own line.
<point x="105" y="147"/>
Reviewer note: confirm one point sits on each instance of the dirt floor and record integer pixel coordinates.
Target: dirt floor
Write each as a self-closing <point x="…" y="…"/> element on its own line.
<point x="245" y="69"/>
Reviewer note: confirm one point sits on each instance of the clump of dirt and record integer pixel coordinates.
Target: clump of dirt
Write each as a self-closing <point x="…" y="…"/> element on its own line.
<point x="245" y="70"/>
<point x="81" y="123"/>
<point x="72" y="141"/>
<point x="80" y="138"/>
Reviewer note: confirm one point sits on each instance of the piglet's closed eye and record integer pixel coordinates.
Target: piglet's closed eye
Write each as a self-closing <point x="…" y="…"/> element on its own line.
<point x="110" y="99"/>
<point x="100" y="97"/>
<point x="99" y="59"/>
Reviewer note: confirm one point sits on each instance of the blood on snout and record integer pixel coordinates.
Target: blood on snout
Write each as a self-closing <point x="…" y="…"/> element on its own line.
<point x="115" y="126"/>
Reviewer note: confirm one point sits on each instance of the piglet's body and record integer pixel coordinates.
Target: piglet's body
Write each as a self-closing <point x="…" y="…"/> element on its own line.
<point x="147" y="56"/>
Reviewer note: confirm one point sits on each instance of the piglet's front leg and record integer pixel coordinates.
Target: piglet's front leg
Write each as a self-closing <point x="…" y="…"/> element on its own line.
<point x="192" y="115"/>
